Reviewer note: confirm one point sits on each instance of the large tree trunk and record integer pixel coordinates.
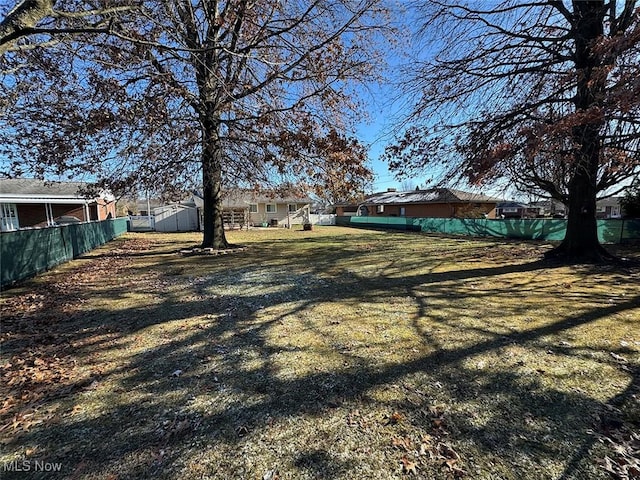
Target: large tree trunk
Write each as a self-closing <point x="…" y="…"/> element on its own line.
<point x="581" y="240"/>
<point x="214" y="236"/>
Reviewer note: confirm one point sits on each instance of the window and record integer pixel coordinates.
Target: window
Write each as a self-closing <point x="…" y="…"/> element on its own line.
<point x="403" y="211"/>
<point x="293" y="207"/>
<point x="9" y="217"/>
<point x="380" y="209"/>
<point x="253" y="208"/>
<point x="271" y="208"/>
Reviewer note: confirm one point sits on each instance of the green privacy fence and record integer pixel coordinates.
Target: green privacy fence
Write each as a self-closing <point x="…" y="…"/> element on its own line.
<point x="24" y="253"/>
<point x="609" y="231"/>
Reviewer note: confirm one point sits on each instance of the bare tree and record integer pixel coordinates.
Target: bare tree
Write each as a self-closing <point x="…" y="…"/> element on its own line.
<point x="543" y="93"/>
<point x="409" y="184"/>
<point x="232" y="86"/>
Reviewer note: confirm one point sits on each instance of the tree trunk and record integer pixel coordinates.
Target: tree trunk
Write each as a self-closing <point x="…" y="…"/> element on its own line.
<point x="581" y="240"/>
<point x="214" y="236"/>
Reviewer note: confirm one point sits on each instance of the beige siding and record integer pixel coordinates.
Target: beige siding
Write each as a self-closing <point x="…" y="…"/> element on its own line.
<point x="281" y="214"/>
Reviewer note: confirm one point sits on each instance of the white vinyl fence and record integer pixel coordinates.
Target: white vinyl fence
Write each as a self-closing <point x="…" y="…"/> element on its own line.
<point x="141" y="223"/>
<point x="322" y="219"/>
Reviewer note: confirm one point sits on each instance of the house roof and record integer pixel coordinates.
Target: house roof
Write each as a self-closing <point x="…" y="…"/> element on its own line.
<point x="242" y="198"/>
<point x="29" y="189"/>
<point x="609" y="202"/>
<point x="513" y="204"/>
<point x="547" y="203"/>
<point x="432" y="195"/>
<point x="141" y="204"/>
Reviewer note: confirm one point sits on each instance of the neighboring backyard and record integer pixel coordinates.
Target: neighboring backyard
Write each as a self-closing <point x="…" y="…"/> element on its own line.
<point x="331" y="354"/>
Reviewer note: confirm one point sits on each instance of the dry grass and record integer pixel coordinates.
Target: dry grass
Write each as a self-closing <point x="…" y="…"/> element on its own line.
<point x="331" y="354"/>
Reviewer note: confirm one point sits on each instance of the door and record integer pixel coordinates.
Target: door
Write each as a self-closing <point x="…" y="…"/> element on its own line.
<point x="9" y="217"/>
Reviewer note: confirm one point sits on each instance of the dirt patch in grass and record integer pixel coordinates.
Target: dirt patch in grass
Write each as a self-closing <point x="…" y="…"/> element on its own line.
<point x="331" y="353"/>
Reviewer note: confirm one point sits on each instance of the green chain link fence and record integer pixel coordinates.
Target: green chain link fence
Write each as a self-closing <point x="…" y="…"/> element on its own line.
<point x="24" y="253"/>
<point x="609" y="231"/>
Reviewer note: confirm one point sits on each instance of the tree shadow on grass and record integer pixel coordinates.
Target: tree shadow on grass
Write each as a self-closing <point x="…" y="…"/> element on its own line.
<point x="150" y="426"/>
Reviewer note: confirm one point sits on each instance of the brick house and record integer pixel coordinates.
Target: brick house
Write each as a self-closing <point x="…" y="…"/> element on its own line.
<point x="430" y="203"/>
<point x="26" y="202"/>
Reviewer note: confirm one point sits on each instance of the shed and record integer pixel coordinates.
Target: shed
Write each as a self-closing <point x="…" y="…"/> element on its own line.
<point x="176" y="217"/>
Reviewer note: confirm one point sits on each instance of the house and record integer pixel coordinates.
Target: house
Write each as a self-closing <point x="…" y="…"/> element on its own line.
<point x="244" y="208"/>
<point x="27" y="202"/>
<point x="550" y="208"/>
<point x="609" y="208"/>
<point x="430" y="203"/>
<point x="517" y="210"/>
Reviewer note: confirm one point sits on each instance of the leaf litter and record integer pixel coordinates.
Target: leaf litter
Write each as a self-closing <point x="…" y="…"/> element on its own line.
<point x="69" y="356"/>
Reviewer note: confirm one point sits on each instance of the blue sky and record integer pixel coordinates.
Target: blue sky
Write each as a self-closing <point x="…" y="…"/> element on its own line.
<point x="387" y="106"/>
<point x="376" y="136"/>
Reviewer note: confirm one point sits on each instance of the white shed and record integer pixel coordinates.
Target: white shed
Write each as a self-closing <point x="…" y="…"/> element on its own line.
<point x="176" y="218"/>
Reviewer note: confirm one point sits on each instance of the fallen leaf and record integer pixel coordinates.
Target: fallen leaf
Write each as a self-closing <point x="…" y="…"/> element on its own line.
<point x="438" y="422"/>
<point x="394" y="418"/>
<point x="448" y="452"/>
<point x="451" y="463"/>
<point x="402" y="443"/>
<point x="408" y="466"/>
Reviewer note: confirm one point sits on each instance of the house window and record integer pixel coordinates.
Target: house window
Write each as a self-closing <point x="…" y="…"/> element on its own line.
<point x="271" y="208"/>
<point x="380" y="209"/>
<point x="403" y="211"/>
<point x="293" y="207"/>
<point x="9" y="217"/>
<point x="253" y="208"/>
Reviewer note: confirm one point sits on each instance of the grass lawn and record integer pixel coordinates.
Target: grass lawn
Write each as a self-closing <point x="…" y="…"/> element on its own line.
<point x="331" y="354"/>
